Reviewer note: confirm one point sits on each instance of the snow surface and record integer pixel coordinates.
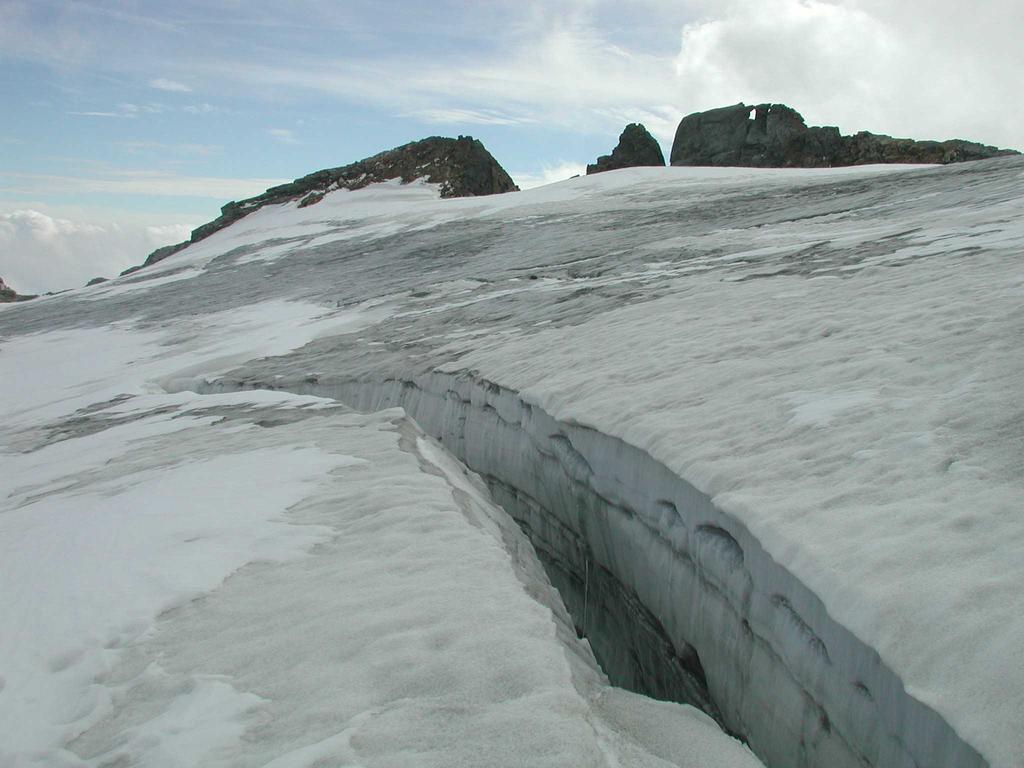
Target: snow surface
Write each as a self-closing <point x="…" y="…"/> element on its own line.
<point x="832" y="356"/>
<point x="898" y="501"/>
<point x="268" y="579"/>
<point x="867" y="430"/>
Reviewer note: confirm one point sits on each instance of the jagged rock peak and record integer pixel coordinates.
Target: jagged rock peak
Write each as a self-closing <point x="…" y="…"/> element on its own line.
<point x="777" y="137"/>
<point x="462" y="167"/>
<point x="8" y="294"/>
<point x="636" y="147"/>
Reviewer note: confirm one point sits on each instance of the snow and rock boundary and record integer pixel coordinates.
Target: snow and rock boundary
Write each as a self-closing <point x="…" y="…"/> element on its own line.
<point x="778" y="670"/>
<point x="459" y="167"/>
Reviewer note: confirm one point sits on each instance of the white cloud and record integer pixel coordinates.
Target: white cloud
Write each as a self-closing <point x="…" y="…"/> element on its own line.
<point x="908" y="68"/>
<point x="136" y="182"/>
<point x="102" y="114"/>
<point x="826" y="59"/>
<point x="916" y="68"/>
<point x="201" y="109"/>
<point x="40" y="253"/>
<point x="125" y="110"/>
<point x="163" y="84"/>
<point x="139" y="147"/>
<point x="460" y="116"/>
<point x="284" y="135"/>
<point x="548" y="174"/>
<point x="556" y="73"/>
<point x="920" y="68"/>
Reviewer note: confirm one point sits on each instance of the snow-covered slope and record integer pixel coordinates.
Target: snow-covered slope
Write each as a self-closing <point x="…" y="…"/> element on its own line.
<point x="266" y="579"/>
<point x="762" y="427"/>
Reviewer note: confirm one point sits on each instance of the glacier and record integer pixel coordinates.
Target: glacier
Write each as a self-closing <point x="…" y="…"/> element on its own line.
<point x="267" y="579"/>
<point x="761" y="427"/>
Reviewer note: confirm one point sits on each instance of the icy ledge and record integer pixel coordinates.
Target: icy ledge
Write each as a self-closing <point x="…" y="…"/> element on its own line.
<point x="673" y="593"/>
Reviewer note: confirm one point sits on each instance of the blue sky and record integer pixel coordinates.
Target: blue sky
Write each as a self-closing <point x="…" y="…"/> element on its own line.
<point x="126" y="123"/>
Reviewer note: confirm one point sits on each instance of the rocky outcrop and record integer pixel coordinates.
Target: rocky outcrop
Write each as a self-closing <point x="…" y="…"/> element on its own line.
<point x="462" y="167"/>
<point x="777" y="137"/>
<point x="636" y="147"/>
<point x="9" y="295"/>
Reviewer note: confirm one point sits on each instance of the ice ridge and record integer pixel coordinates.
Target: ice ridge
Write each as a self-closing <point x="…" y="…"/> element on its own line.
<point x="680" y="600"/>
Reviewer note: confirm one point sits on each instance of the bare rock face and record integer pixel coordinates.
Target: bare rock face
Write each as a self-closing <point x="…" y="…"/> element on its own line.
<point x="8" y="294"/>
<point x="462" y="167"/>
<point x="636" y="147"/>
<point x="777" y="137"/>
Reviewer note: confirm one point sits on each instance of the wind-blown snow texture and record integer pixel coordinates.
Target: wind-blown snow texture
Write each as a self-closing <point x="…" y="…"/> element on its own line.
<point x="269" y="579"/>
<point x="827" y="362"/>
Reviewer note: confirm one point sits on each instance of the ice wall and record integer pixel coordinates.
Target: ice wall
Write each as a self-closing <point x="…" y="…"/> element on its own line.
<point x="678" y="599"/>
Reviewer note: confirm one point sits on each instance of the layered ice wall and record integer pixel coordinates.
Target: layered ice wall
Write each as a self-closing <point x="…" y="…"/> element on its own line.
<point x="266" y="580"/>
<point x="763" y="427"/>
<point x="679" y="599"/>
<point x="801" y="689"/>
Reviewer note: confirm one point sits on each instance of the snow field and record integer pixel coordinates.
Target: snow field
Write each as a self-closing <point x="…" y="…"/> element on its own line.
<point x="836" y="372"/>
<point x="827" y="357"/>
<point x="269" y="579"/>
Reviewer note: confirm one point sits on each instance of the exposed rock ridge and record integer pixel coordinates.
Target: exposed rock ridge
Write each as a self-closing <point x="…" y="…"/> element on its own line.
<point x="8" y="294"/>
<point x="636" y="147"/>
<point x="462" y="167"/>
<point x="777" y="137"/>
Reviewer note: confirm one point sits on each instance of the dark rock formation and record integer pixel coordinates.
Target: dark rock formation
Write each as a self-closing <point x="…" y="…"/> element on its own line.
<point x="778" y="137"/>
<point x="462" y="167"/>
<point x="8" y="294"/>
<point x="311" y="199"/>
<point x="636" y="147"/>
<point x="96" y="281"/>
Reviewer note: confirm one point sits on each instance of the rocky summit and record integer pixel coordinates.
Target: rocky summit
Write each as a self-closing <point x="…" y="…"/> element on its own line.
<point x="9" y="295"/>
<point x="777" y="137"/>
<point x="462" y="167"/>
<point x="636" y="147"/>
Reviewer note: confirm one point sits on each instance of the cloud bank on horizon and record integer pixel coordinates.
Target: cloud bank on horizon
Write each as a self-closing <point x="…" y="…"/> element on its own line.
<point x="42" y="253"/>
<point x="156" y="115"/>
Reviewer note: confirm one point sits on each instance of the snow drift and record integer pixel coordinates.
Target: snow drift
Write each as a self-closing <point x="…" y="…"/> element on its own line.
<point x="762" y="427"/>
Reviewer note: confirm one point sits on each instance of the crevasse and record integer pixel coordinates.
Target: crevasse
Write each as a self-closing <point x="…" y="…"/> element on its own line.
<point x="677" y="598"/>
